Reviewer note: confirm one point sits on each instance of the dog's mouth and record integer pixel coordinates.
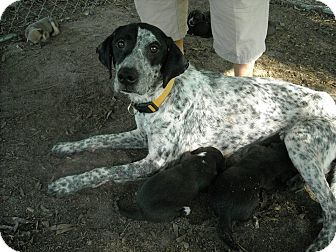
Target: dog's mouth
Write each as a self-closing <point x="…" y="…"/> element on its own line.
<point x="126" y="91"/>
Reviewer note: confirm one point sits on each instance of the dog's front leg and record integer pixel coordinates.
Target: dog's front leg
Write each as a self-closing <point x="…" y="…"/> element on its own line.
<point x="131" y="139"/>
<point x="99" y="176"/>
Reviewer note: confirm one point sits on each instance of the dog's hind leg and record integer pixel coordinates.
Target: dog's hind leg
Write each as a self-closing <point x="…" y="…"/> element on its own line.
<point x="333" y="177"/>
<point x="311" y="146"/>
<point x="135" y="139"/>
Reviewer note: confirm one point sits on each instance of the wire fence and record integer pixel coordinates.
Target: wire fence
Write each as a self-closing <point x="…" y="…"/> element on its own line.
<point x="20" y="14"/>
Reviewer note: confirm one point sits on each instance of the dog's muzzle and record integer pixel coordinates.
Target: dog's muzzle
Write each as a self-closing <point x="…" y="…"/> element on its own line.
<point x="128" y="76"/>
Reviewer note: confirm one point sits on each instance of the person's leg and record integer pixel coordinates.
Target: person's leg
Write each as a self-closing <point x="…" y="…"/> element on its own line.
<point x="239" y="29"/>
<point x="169" y="15"/>
<point x="179" y="44"/>
<point x="243" y="69"/>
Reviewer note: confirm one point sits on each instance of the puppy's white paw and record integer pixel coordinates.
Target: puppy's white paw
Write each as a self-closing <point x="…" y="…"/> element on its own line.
<point x="186" y="210"/>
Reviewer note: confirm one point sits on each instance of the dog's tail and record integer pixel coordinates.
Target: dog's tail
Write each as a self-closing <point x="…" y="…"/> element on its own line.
<point x="131" y="212"/>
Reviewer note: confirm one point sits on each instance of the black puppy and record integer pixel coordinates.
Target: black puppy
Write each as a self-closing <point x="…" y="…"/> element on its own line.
<point x="166" y="195"/>
<point x="236" y="191"/>
<point x="199" y="24"/>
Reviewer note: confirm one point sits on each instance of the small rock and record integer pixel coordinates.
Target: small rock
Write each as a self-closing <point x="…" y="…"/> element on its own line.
<point x="185" y="245"/>
<point x="181" y="238"/>
<point x="29" y="209"/>
<point x="255" y="222"/>
<point x="88" y="13"/>
<point x="277" y="208"/>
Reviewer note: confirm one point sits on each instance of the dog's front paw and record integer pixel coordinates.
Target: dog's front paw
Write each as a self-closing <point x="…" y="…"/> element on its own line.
<point x="64" y="148"/>
<point x="60" y="187"/>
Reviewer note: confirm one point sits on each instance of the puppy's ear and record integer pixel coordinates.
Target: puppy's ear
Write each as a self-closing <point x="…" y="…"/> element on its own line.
<point x="105" y="51"/>
<point x="175" y="63"/>
<point x="40" y="30"/>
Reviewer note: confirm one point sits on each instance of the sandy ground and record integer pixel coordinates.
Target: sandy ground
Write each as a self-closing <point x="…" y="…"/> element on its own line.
<point x="61" y="92"/>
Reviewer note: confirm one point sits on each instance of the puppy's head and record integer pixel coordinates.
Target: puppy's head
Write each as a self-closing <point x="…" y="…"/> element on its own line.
<point x="212" y="156"/>
<point x="145" y="59"/>
<point x="35" y="35"/>
<point x="202" y="165"/>
<point x="195" y="17"/>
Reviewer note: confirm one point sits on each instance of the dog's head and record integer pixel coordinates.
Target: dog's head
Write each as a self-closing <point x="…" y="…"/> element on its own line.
<point x="145" y="59"/>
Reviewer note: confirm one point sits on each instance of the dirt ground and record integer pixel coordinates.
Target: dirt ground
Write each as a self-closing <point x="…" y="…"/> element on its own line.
<point x="61" y="92"/>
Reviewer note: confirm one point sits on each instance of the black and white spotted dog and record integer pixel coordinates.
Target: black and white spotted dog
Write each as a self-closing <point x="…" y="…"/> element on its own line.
<point x="168" y="193"/>
<point x="207" y="109"/>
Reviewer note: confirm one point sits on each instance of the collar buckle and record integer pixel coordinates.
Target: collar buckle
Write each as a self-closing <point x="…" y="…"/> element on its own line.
<point x="153" y="106"/>
<point x="146" y="107"/>
<point x="129" y="109"/>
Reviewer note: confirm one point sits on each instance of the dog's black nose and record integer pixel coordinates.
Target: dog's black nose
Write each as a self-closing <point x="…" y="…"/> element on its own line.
<point x="128" y="76"/>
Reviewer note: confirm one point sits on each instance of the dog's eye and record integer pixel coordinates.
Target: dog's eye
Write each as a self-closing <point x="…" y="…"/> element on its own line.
<point x="154" y="48"/>
<point x="121" y="43"/>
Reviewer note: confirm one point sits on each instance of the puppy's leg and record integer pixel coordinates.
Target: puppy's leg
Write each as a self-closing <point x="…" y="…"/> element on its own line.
<point x="224" y="230"/>
<point x="56" y="31"/>
<point x="131" y="139"/>
<point x="99" y="176"/>
<point x="311" y="146"/>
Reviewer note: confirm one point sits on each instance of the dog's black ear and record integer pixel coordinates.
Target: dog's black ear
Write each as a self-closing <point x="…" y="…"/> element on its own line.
<point x="175" y="63"/>
<point x="105" y="51"/>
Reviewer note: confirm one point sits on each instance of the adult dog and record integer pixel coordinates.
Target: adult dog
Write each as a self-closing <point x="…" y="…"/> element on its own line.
<point x="206" y="109"/>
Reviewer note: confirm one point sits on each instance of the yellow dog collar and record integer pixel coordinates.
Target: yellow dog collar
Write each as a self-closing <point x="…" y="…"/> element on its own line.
<point x="153" y="106"/>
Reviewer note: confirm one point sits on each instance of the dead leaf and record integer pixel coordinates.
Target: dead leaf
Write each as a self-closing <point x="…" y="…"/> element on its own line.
<point x="62" y="228"/>
<point x="22" y="192"/>
<point x="181" y="238"/>
<point x="44" y="209"/>
<point x="198" y="48"/>
<point x="108" y="114"/>
<point x="45" y="224"/>
<point x="175" y="229"/>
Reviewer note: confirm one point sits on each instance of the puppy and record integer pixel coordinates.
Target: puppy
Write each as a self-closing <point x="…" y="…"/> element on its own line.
<point x="41" y="30"/>
<point x="199" y="24"/>
<point x="235" y="193"/>
<point x="166" y="195"/>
